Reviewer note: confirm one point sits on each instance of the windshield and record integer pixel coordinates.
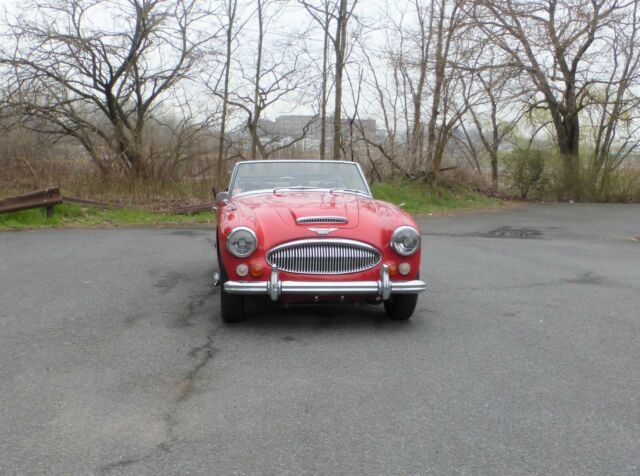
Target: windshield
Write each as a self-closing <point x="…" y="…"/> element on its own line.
<point x="297" y="175"/>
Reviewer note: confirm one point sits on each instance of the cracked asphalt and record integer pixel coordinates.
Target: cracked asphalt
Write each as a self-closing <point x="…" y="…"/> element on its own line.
<point x="523" y="357"/>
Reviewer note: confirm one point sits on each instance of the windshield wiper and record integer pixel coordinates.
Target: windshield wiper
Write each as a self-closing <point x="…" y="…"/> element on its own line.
<point x="352" y="190"/>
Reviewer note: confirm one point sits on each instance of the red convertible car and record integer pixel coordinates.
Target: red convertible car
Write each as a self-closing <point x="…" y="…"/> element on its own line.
<point x="299" y="231"/>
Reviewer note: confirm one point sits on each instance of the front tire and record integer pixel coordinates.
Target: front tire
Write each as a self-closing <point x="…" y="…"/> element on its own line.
<point x="231" y="305"/>
<point x="400" y="307"/>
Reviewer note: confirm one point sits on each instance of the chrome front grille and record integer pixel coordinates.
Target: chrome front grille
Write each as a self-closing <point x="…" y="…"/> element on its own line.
<point x="322" y="219"/>
<point x="324" y="256"/>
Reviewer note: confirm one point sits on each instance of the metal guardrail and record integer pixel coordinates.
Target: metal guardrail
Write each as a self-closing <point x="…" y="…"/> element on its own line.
<point x="185" y="210"/>
<point x="91" y="203"/>
<point x="50" y="197"/>
<point x="47" y="198"/>
<point x="191" y="209"/>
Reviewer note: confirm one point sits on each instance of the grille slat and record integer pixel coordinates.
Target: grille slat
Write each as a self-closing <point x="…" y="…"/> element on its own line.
<point x="321" y="219"/>
<point x="324" y="256"/>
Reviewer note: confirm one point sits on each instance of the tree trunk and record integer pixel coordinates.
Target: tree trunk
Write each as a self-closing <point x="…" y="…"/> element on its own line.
<point x="569" y="147"/>
<point x="220" y="169"/>
<point x="256" y="92"/>
<point x="340" y="47"/>
<point x="417" y="131"/>
<point x="435" y="100"/>
<point x="323" y="101"/>
<point x="494" y="171"/>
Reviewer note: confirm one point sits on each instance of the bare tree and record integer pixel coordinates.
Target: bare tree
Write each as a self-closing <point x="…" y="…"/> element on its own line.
<point x="429" y="46"/>
<point x="613" y="106"/>
<point x="183" y="141"/>
<point x="496" y="103"/>
<point x="447" y="109"/>
<point x="554" y="43"/>
<point x="386" y="99"/>
<point x="277" y="74"/>
<point x="340" y="46"/>
<point x="99" y="85"/>
<point x="230" y="32"/>
<point x="419" y="41"/>
<point x="323" y="14"/>
<point x="340" y="12"/>
<point x="257" y="100"/>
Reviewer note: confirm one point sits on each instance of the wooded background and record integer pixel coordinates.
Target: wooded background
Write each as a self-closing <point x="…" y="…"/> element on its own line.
<point x="527" y="97"/>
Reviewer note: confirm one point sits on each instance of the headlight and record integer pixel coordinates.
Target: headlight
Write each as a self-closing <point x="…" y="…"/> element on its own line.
<point x="405" y="240"/>
<point x="242" y="242"/>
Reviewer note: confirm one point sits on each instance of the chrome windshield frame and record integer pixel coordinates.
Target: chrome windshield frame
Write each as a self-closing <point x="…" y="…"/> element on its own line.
<point x="234" y="174"/>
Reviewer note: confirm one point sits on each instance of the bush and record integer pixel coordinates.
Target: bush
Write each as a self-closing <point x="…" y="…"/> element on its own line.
<point x="525" y="172"/>
<point x="621" y="186"/>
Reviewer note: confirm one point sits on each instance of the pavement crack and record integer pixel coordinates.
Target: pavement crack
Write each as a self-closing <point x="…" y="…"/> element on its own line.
<point x="123" y="463"/>
<point x="202" y="355"/>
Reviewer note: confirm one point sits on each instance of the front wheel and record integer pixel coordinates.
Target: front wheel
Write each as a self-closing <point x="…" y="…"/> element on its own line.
<point x="400" y="307"/>
<point x="231" y="305"/>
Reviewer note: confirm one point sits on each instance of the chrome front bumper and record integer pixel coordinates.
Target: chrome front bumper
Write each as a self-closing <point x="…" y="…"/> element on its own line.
<point x="274" y="288"/>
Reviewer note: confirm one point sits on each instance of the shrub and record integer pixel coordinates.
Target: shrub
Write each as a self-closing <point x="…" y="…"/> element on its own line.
<point x="525" y="172"/>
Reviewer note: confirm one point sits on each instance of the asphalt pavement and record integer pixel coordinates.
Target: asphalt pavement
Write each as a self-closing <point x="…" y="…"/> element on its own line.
<point x="523" y="357"/>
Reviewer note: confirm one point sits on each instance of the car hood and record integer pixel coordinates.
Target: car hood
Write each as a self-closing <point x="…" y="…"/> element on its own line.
<point x="274" y="216"/>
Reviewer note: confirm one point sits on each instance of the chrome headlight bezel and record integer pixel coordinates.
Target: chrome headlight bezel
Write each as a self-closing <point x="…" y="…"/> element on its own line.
<point x="248" y="234"/>
<point x="399" y="246"/>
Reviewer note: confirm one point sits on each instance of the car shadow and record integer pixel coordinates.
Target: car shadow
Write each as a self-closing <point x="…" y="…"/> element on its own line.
<point x="263" y="314"/>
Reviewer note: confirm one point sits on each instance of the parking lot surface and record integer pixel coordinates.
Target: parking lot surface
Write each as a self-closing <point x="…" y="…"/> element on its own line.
<point x="523" y="357"/>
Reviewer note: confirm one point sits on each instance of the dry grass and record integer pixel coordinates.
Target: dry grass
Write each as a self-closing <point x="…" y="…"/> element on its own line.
<point x="76" y="216"/>
<point x="115" y="189"/>
<point x="129" y="192"/>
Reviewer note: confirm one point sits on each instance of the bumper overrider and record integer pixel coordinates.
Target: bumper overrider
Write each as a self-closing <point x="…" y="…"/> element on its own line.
<point x="274" y="288"/>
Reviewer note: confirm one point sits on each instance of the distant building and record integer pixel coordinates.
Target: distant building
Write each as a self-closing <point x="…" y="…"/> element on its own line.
<point x="287" y="128"/>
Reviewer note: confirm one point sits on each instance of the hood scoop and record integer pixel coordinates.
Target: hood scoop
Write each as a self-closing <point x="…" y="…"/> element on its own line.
<point x="319" y="220"/>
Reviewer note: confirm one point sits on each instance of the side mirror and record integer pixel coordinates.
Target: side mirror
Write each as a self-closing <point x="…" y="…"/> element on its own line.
<point x="222" y="199"/>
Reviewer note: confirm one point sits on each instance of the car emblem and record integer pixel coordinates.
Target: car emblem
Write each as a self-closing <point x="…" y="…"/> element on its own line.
<point x="322" y="231"/>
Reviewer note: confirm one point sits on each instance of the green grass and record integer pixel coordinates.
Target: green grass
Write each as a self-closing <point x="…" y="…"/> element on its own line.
<point x="71" y="215"/>
<point x="420" y="198"/>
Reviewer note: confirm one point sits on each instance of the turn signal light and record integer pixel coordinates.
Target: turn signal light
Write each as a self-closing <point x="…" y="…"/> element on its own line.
<point x="393" y="270"/>
<point x="256" y="270"/>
